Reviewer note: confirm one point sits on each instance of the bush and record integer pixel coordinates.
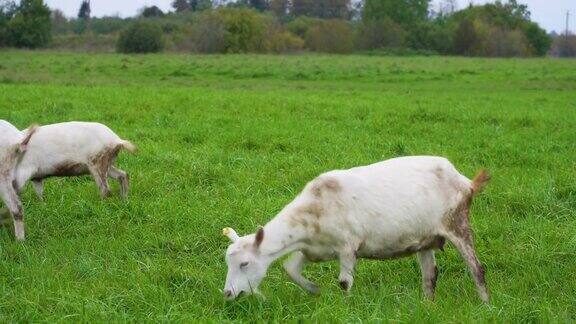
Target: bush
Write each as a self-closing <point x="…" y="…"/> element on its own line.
<point x="282" y="41"/>
<point x="330" y="36"/>
<point x="141" y="37"/>
<point x="380" y="34"/>
<point x="230" y="30"/>
<point x="301" y="25"/>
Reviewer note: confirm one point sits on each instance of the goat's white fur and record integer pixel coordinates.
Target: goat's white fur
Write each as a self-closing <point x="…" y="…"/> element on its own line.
<point x="385" y="210"/>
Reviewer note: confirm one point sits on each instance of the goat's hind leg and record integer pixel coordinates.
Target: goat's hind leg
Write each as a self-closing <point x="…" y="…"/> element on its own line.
<point x="101" y="178"/>
<point x="468" y="253"/>
<point x="294" y="266"/>
<point x="123" y="178"/>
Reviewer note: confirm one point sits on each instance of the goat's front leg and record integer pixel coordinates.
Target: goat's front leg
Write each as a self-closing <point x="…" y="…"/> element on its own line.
<point x="39" y="188"/>
<point x="294" y="266"/>
<point x="347" y="264"/>
<point x="15" y="207"/>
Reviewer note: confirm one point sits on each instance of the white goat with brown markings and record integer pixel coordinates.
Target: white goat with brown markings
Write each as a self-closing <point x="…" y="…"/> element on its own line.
<point x="385" y="210"/>
<point x="72" y="149"/>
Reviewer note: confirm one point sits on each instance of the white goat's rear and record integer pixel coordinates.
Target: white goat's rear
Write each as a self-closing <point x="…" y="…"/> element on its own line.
<point x="389" y="209"/>
<point x="73" y="149"/>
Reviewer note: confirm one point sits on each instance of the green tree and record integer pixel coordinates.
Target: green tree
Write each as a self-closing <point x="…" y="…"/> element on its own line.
<point x="180" y="5"/>
<point x="60" y="23"/>
<point x="200" y="5"/>
<point x="259" y="5"/>
<point x="280" y="7"/>
<point x="503" y="20"/>
<point x="537" y="37"/>
<point x="31" y="25"/>
<point x="84" y="11"/>
<point x="152" y="11"/>
<point x="404" y="12"/>
<point x="466" y="37"/>
<point x="7" y="10"/>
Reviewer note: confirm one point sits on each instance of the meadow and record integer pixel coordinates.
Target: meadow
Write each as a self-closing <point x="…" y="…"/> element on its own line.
<point x="229" y="140"/>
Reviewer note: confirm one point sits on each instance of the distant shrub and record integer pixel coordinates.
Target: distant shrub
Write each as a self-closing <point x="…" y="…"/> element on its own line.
<point x="230" y="30"/>
<point x="282" y="41"/>
<point x="380" y="34"/>
<point x="330" y="36"/>
<point x="141" y="37"/>
<point x="301" y="25"/>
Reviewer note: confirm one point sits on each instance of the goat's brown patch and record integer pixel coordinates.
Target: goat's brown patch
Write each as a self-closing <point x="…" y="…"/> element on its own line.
<point x="67" y="169"/>
<point x="314" y="208"/>
<point x="457" y="220"/>
<point x="439" y="172"/>
<point x="325" y="184"/>
<point x="104" y="159"/>
<point x="433" y="242"/>
<point x="305" y="223"/>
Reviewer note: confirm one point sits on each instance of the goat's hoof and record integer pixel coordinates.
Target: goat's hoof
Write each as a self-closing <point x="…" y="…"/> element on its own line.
<point x="345" y="285"/>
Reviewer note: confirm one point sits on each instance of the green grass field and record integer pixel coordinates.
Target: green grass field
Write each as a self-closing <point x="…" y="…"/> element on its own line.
<point x="229" y="140"/>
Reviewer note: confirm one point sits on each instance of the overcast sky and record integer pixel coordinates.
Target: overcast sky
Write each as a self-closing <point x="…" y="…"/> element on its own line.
<point x="550" y="14"/>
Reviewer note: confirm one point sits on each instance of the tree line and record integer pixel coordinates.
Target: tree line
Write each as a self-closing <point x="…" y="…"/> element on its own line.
<point x="499" y="29"/>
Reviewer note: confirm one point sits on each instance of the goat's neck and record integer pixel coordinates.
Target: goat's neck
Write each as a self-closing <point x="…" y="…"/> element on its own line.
<point x="281" y="238"/>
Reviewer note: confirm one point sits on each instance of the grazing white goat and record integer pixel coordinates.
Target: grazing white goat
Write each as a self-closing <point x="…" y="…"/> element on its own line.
<point x="13" y="146"/>
<point x="385" y="210"/>
<point x="73" y="149"/>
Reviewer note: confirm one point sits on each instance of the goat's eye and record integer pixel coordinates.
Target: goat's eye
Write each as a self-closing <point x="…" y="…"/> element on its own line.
<point x="243" y="265"/>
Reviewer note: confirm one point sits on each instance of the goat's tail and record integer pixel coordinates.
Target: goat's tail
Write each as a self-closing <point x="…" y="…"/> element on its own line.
<point x="480" y="181"/>
<point x="128" y="146"/>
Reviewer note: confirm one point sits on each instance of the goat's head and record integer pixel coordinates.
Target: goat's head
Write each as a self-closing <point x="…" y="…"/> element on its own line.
<point x="246" y="265"/>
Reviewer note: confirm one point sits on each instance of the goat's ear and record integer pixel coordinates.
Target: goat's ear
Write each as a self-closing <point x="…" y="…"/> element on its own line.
<point x="259" y="237"/>
<point x="231" y="234"/>
<point x="23" y="146"/>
